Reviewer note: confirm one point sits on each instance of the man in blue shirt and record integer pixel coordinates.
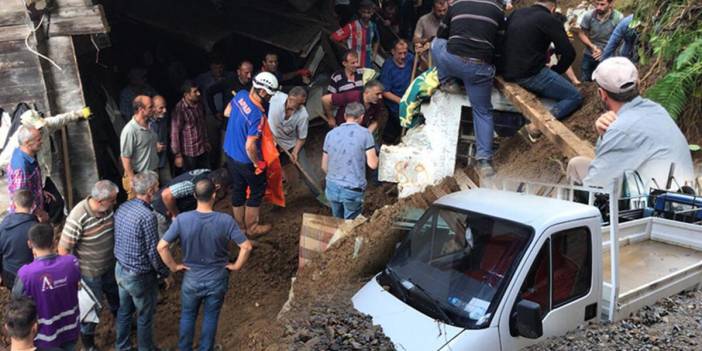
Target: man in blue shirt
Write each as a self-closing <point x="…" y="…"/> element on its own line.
<point x="347" y="150"/>
<point x="624" y="34"/>
<point x="138" y="267"/>
<point x="395" y="76"/>
<point x="204" y="237"/>
<point x="242" y="145"/>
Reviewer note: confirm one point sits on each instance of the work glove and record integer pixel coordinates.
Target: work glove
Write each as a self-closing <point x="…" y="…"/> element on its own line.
<point x="260" y="167"/>
<point x="86" y="113"/>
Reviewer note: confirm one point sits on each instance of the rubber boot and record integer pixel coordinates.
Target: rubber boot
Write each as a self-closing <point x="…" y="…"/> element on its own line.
<point x="88" y="342"/>
<point x="239" y="217"/>
<point x="253" y="227"/>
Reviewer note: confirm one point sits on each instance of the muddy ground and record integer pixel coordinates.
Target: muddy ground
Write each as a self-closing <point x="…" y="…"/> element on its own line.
<point x="257" y="293"/>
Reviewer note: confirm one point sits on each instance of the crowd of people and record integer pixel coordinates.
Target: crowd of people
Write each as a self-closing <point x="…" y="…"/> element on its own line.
<point x="226" y="137"/>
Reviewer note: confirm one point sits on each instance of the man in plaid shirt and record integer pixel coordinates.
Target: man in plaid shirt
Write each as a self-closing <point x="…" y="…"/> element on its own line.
<point x="139" y="266"/>
<point x="189" y="130"/>
<point x="24" y="172"/>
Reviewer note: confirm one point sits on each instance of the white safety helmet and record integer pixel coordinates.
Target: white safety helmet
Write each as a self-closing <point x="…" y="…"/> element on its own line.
<point x="266" y="81"/>
<point x="31" y="118"/>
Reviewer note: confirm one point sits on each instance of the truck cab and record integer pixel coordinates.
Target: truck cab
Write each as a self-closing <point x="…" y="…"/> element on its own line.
<point x="489" y="269"/>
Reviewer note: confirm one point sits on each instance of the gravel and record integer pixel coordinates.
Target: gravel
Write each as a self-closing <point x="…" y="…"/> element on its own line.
<point x="335" y="328"/>
<point x="674" y="323"/>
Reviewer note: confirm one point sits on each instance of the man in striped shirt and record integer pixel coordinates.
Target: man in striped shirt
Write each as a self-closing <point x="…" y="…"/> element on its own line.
<point x="465" y="49"/>
<point x="189" y="130"/>
<point x="361" y="35"/>
<point x="89" y="235"/>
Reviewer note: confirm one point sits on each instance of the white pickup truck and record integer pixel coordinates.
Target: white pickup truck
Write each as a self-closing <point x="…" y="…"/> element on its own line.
<point x="499" y="270"/>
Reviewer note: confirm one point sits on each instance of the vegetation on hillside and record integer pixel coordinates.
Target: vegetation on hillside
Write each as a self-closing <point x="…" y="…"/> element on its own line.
<point x="671" y="46"/>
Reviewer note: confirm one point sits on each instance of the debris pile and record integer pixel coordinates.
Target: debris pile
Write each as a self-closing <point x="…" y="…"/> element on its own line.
<point x="672" y="324"/>
<point x="335" y="328"/>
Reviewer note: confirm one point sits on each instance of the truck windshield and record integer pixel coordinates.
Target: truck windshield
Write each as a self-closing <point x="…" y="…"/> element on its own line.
<point x="455" y="265"/>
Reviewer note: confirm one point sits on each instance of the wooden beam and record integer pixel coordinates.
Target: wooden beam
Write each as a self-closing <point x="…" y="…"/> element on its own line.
<point x="570" y="144"/>
<point x="78" y="21"/>
<point x="14" y="32"/>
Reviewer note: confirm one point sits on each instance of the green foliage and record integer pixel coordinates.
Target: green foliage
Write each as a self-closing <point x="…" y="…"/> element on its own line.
<point x="690" y="56"/>
<point x="671" y="34"/>
<point x="675" y="88"/>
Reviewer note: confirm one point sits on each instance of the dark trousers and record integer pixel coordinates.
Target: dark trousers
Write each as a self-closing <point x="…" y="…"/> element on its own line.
<point x="197" y="162"/>
<point x="244" y="176"/>
<point x="8" y="279"/>
<point x="587" y="68"/>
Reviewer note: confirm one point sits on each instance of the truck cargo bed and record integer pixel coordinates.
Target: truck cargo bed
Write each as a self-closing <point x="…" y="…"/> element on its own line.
<point x="657" y="258"/>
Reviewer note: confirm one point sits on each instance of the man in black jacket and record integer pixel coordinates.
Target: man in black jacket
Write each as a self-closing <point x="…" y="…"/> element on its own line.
<point x="530" y="32"/>
<point x="13" y="237"/>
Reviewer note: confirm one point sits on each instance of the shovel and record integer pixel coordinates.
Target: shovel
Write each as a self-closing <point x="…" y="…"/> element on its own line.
<point x="321" y="198"/>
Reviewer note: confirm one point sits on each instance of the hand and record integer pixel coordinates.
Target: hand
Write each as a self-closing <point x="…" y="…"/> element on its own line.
<point x="331" y="122"/>
<point x="293" y="155"/>
<point x="180" y="267"/>
<point x="509" y="7"/>
<point x="260" y="167"/>
<point x="42" y="215"/>
<point x="178" y="161"/>
<point x="304" y="72"/>
<point x="231" y="266"/>
<point x="208" y="147"/>
<point x="86" y="113"/>
<point x="49" y="197"/>
<point x="604" y="121"/>
<point x="597" y="53"/>
<point x="160" y="147"/>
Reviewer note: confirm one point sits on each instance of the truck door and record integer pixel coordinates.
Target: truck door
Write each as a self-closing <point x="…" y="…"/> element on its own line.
<point x="559" y="276"/>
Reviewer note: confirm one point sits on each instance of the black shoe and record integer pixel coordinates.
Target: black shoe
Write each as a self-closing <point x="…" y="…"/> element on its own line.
<point x="485" y="169"/>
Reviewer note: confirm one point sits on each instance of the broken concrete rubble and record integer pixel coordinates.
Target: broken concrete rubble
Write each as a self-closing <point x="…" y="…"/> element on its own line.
<point x="427" y="153"/>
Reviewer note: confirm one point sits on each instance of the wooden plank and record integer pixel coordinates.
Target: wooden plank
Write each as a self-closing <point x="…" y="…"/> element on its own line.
<point x="14" y="32"/>
<point x="62" y="26"/>
<point x="555" y="131"/>
<point x="65" y="92"/>
<point x="10" y="18"/>
<point x="12" y="6"/>
<point x="464" y="182"/>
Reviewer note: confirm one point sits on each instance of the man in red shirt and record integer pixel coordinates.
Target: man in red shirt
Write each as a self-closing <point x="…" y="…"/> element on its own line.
<point x="361" y="35"/>
<point x="189" y="130"/>
<point x="372" y="99"/>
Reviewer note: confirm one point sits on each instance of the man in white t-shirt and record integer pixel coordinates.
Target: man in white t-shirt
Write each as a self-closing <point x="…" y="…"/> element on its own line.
<point x="288" y="120"/>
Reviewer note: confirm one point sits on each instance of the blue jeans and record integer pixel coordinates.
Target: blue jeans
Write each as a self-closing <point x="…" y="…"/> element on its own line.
<point x="477" y="78"/>
<point x="587" y="68"/>
<point x="137" y="292"/>
<point x="104" y="285"/>
<point x="345" y="203"/>
<point x="209" y="294"/>
<point x="552" y="85"/>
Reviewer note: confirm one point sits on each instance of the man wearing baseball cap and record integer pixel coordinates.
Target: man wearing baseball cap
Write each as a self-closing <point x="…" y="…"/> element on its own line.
<point x="636" y="134"/>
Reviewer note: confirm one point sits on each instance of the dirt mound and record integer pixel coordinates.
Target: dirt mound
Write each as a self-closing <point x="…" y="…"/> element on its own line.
<point x="517" y="157"/>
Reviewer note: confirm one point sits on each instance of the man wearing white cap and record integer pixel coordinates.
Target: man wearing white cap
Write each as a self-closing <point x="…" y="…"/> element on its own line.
<point x="636" y="134"/>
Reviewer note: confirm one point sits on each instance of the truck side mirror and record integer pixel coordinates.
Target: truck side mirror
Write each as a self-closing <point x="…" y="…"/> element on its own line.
<point x="529" y="322"/>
